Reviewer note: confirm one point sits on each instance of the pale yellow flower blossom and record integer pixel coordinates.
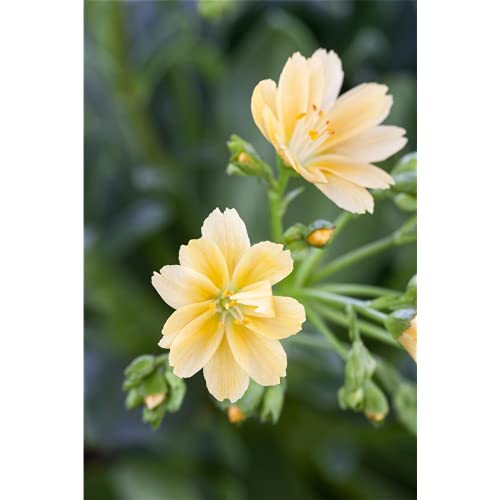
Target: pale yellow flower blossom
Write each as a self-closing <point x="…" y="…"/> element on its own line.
<point x="408" y="339"/>
<point x="227" y="321"/>
<point x="331" y="142"/>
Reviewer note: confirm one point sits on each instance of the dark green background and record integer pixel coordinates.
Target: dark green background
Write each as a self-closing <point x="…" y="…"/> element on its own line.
<point x="164" y="89"/>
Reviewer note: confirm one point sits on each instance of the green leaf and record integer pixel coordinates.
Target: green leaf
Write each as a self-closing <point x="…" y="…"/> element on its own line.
<point x="134" y="399"/>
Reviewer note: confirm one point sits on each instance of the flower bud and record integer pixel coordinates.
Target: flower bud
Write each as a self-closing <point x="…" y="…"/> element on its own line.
<point x="235" y="415"/>
<point x="295" y="233"/>
<point x="376" y="406"/>
<point x="319" y="233"/>
<point x="244" y="159"/>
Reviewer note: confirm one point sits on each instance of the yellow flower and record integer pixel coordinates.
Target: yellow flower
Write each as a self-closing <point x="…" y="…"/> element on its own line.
<point x="408" y="339"/>
<point x="330" y="142"/>
<point x="227" y="320"/>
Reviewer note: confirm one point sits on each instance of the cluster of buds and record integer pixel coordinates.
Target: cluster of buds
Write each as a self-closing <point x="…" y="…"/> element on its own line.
<point x="359" y="392"/>
<point x="149" y="381"/>
<point x="265" y="403"/>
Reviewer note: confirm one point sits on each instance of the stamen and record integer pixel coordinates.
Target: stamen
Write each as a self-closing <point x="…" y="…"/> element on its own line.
<point x="241" y="322"/>
<point x="321" y="113"/>
<point x="315" y="107"/>
<point x="227" y="293"/>
<point x="313" y="134"/>
<point x="300" y="116"/>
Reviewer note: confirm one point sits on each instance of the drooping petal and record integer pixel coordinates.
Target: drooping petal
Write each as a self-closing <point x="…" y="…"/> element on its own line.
<point x="333" y="77"/>
<point x="264" y="96"/>
<point x="258" y="296"/>
<point x="179" y="319"/>
<point x="263" y="359"/>
<point x="229" y="233"/>
<point x="263" y="261"/>
<point x="179" y="286"/>
<point x="374" y="144"/>
<point x="359" y="109"/>
<point x="224" y="376"/>
<point x="346" y="195"/>
<point x="363" y="174"/>
<point x="290" y="315"/>
<point x="292" y="94"/>
<point x="204" y="256"/>
<point x="195" y="344"/>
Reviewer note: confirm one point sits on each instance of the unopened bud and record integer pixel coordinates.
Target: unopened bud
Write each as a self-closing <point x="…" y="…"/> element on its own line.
<point x="408" y="339"/>
<point x="319" y="233"/>
<point x="376" y="405"/>
<point x="244" y="159"/>
<point x="398" y="321"/>
<point x="154" y="400"/>
<point x="235" y="414"/>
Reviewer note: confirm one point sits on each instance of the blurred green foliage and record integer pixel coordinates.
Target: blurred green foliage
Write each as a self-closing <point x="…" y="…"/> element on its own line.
<point x="165" y="87"/>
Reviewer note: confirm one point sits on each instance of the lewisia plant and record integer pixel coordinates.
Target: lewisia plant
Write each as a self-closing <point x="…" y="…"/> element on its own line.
<point x="228" y="323"/>
<point x="331" y="141"/>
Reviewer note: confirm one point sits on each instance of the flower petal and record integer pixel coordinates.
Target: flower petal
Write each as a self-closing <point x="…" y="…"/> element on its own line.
<point x="225" y="378"/>
<point x="258" y="296"/>
<point x="374" y="144"/>
<point x="195" y="344"/>
<point x="179" y="319"/>
<point x="204" y="256"/>
<point x="357" y="110"/>
<point x="264" y="96"/>
<point x="229" y="233"/>
<point x="290" y="314"/>
<point x="346" y="195"/>
<point x="292" y="94"/>
<point x="263" y="359"/>
<point x="263" y="261"/>
<point x="332" y="77"/>
<point x="179" y="286"/>
<point x="363" y="174"/>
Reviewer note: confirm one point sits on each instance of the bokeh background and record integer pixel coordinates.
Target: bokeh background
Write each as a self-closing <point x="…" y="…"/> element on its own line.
<point x="166" y="83"/>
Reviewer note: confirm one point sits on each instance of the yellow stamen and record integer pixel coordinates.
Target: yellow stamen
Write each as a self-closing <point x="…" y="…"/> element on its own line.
<point x="300" y="116"/>
<point x="321" y="113"/>
<point x="315" y="107"/>
<point x="313" y="134"/>
<point x="227" y="293"/>
<point x="241" y="322"/>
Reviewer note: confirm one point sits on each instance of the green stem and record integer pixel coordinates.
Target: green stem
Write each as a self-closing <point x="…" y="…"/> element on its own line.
<point x="366" y="328"/>
<point x="343" y="301"/>
<point x="358" y="289"/>
<point x="276" y="204"/>
<point x="350" y="258"/>
<point x="316" y="320"/>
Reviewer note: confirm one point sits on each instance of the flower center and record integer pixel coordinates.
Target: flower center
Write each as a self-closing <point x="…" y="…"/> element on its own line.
<point x="311" y="130"/>
<point x="225" y="307"/>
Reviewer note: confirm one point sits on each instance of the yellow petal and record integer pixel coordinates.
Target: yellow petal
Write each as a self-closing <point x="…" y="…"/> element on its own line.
<point x="332" y="77"/>
<point x="292" y="94"/>
<point x="204" y="256"/>
<point x="225" y="378"/>
<point x="313" y="175"/>
<point x="179" y="286"/>
<point x="258" y="296"/>
<point x="264" y="96"/>
<point x="408" y="339"/>
<point x="346" y="195"/>
<point x="357" y="110"/>
<point x="179" y="319"/>
<point x="374" y="144"/>
<point x="263" y="261"/>
<point x="195" y="344"/>
<point x="229" y="233"/>
<point x="290" y="315"/>
<point x="263" y="359"/>
<point x="363" y="174"/>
